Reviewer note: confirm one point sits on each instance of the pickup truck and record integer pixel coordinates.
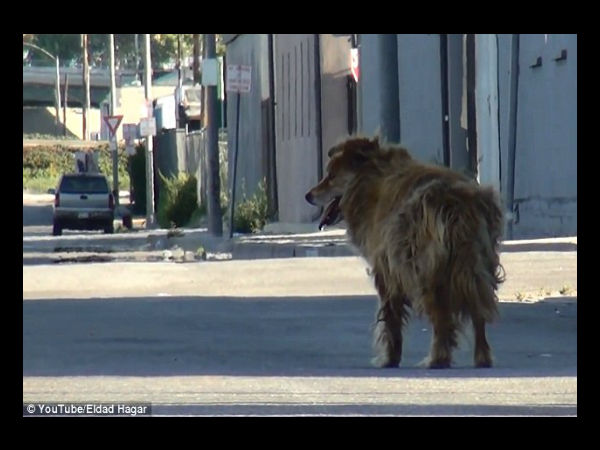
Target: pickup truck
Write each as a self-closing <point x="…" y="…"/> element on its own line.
<point x="83" y="201"/>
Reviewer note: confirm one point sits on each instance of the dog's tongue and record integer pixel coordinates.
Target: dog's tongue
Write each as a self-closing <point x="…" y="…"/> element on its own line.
<point x="331" y="213"/>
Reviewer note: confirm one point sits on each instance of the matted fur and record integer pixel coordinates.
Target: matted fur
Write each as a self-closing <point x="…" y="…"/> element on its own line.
<point x="431" y="237"/>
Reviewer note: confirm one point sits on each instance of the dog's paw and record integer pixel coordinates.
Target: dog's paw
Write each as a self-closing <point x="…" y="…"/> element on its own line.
<point x="429" y="363"/>
<point x="383" y="362"/>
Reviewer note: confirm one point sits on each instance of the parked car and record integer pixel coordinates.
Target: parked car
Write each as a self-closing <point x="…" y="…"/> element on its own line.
<point x="83" y="201"/>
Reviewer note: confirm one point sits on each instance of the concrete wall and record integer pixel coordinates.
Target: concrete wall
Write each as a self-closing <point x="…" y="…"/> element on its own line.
<point x="419" y="75"/>
<point x="254" y="146"/>
<point x="335" y="68"/>
<point x="504" y="108"/>
<point x="378" y="87"/>
<point x="297" y="125"/>
<point x="486" y="107"/>
<point x="546" y="145"/>
<point x="41" y="120"/>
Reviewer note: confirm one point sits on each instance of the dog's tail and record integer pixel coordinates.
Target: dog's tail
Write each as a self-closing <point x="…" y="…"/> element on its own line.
<point x="476" y="271"/>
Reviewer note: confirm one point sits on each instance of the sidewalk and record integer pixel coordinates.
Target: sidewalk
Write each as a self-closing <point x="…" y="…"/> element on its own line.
<point x="279" y="240"/>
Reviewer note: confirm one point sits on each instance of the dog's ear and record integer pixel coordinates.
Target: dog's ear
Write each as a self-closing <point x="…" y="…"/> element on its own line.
<point x="333" y="150"/>
<point x="358" y="158"/>
<point x="375" y="141"/>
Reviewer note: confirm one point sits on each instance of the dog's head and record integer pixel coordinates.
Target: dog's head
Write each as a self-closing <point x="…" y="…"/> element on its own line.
<point x="346" y="160"/>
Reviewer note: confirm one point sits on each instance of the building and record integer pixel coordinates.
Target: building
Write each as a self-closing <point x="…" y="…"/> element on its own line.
<point x="502" y="108"/>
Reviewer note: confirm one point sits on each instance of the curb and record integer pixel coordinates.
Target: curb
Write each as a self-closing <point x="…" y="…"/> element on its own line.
<point x="268" y="251"/>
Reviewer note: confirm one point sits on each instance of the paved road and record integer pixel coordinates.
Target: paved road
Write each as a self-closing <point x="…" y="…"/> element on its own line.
<point x="287" y="336"/>
<point x="280" y="337"/>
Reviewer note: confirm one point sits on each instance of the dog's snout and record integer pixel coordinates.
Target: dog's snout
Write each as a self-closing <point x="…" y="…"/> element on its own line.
<point x="309" y="198"/>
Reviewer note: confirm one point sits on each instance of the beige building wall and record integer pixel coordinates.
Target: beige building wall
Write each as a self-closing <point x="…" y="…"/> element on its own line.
<point x="130" y="104"/>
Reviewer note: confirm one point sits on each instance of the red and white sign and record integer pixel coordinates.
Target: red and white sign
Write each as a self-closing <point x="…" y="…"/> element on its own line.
<point x="238" y="78"/>
<point x="354" y="67"/>
<point x="113" y="123"/>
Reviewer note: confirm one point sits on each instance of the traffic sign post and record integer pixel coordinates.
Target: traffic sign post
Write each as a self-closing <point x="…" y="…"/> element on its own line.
<point x="239" y="79"/>
<point x="113" y="123"/>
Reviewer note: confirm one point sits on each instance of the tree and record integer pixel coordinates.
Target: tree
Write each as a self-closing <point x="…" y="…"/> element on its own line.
<point x="68" y="48"/>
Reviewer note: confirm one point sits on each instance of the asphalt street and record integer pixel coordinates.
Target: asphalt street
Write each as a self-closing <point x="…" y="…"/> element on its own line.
<point x="299" y="347"/>
<point x="288" y="336"/>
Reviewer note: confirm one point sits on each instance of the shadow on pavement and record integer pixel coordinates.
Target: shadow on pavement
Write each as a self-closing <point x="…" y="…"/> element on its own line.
<point x="287" y="336"/>
<point x="365" y="410"/>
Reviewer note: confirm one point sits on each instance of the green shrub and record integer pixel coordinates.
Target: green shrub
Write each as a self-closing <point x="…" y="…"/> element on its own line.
<point x="43" y="164"/>
<point x="250" y="215"/>
<point x="177" y="201"/>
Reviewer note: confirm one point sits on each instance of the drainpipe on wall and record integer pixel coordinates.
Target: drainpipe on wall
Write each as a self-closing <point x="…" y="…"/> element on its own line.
<point x="388" y="78"/>
<point x="512" y="135"/>
<point x="359" y="126"/>
<point x="317" y="52"/>
<point x="445" y="98"/>
<point x="318" y="105"/>
<point x="272" y="187"/>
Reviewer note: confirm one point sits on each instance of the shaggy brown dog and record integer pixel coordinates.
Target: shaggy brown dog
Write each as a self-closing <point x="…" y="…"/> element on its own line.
<point x="430" y="236"/>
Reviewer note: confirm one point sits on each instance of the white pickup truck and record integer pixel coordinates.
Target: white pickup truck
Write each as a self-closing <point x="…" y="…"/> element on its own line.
<point x="83" y="201"/>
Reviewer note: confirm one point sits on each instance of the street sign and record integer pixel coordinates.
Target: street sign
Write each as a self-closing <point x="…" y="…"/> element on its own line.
<point x="245" y="78"/>
<point x="232" y="80"/>
<point x="210" y="72"/>
<point x="130" y="134"/>
<point x="239" y="78"/>
<point x="148" y="127"/>
<point x="113" y="123"/>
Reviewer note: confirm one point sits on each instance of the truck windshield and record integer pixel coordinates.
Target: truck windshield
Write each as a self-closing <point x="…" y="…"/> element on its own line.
<point x="87" y="185"/>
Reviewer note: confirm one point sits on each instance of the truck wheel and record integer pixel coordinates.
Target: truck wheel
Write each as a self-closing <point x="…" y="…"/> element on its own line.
<point x="56" y="229"/>
<point x="109" y="228"/>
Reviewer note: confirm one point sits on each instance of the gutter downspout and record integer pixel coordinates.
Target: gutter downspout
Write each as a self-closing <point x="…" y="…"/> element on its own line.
<point x="512" y="135"/>
<point x="319" y="130"/>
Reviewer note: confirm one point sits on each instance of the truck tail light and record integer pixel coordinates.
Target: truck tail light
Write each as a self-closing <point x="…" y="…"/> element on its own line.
<point x="111" y="201"/>
<point x="56" y="200"/>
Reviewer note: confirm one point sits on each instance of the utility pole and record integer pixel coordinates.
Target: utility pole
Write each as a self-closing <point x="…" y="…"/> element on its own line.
<point x="215" y="220"/>
<point x="196" y="65"/>
<point x="57" y="94"/>
<point x="86" y="84"/>
<point x="196" y="71"/>
<point x="113" y="111"/>
<point x="137" y="63"/>
<point x="65" y="102"/>
<point x="149" y="157"/>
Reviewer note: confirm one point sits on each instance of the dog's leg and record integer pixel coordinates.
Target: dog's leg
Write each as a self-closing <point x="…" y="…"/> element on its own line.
<point x="444" y="331"/>
<point x="483" y="354"/>
<point x="388" y="327"/>
<point x="444" y="341"/>
<point x="387" y="338"/>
